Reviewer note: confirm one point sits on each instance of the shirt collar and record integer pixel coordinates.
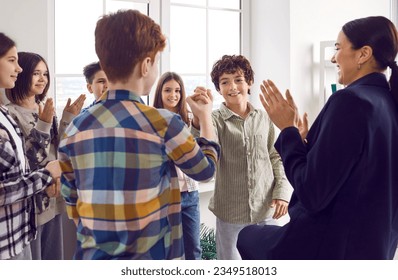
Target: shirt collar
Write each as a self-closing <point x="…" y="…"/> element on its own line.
<point x="121" y="94"/>
<point x="227" y="113"/>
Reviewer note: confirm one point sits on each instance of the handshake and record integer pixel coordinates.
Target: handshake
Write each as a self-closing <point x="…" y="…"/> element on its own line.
<point x="54" y="168"/>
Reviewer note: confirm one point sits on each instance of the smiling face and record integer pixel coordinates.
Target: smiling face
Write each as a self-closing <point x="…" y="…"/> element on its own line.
<point x="39" y="79"/>
<point x="346" y="60"/>
<point x="171" y="95"/>
<point x="9" y="68"/>
<point x="234" y="89"/>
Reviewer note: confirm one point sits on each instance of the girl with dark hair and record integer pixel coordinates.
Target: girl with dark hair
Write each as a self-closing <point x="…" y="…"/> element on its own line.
<point x="34" y="113"/>
<point x="344" y="170"/>
<point x="17" y="183"/>
<point x="170" y="95"/>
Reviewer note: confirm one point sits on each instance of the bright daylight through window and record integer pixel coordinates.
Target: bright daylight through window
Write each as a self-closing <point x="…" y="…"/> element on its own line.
<point x="199" y="32"/>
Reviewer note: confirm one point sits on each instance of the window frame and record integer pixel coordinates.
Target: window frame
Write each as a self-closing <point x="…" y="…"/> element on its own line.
<point x="244" y="32"/>
<point x="159" y="11"/>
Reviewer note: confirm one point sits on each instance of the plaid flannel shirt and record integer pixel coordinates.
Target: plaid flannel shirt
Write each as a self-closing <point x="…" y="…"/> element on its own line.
<point x="119" y="179"/>
<point x="17" y="220"/>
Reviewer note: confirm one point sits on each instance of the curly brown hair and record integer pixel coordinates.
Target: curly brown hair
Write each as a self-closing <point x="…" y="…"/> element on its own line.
<point x="230" y="64"/>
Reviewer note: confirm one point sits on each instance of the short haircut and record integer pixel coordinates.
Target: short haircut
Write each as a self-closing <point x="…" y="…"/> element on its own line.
<point x="6" y="43"/>
<point x="125" y="38"/>
<point x="90" y="70"/>
<point x="230" y="64"/>
<point x="28" y="61"/>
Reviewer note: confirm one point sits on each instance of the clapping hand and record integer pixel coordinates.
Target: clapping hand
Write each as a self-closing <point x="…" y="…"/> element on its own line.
<point x="201" y="102"/>
<point x="76" y="106"/>
<point x="46" y="112"/>
<point x="283" y="112"/>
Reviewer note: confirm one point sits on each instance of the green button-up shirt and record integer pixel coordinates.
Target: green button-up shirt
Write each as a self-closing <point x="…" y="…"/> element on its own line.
<point x="250" y="172"/>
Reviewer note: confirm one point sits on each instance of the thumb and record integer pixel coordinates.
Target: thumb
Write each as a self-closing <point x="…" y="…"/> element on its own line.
<point x="305" y="119"/>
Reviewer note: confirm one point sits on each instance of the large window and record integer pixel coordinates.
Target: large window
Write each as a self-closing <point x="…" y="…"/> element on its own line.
<point x="199" y="32"/>
<point x="75" y="22"/>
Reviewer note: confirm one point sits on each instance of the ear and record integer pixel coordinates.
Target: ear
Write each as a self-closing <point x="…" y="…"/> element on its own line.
<point x="145" y="66"/>
<point x="89" y="88"/>
<point x="365" y="53"/>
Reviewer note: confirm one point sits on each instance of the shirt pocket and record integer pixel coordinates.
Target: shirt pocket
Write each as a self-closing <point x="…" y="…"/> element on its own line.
<point x="260" y="149"/>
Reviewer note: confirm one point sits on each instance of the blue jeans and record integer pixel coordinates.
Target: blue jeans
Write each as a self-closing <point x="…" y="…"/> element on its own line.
<point x="191" y="225"/>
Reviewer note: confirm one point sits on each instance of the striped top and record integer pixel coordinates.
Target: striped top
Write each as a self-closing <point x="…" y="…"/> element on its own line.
<point x="119" y="179"/>
<point x="250" y="172"/>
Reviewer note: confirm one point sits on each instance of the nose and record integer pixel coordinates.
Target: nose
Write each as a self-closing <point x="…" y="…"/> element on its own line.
<point x="333" y="59"/>
<point x="18" y="69"/>
<point x="43" y="76"/>
<point x="233" y="85"/>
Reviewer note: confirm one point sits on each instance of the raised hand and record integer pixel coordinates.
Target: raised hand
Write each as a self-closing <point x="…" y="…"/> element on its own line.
<point x="282" y="112"/>
<point x="76" y="106"/>
<point x="303" y="126"/>
<point x="46" y="112"/>
<point x="201" y="102"/>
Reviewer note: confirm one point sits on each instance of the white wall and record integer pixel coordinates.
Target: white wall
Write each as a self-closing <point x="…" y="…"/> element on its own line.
<point x="26" y="22"/>
<point x="283" y="36"/>
<point x="270" y="44"/>
<point x="285" y="41"/>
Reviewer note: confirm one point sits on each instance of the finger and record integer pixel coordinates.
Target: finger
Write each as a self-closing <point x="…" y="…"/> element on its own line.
<point x="265" y="105"/>
<point x="68" y="102"/>
<point x="278" y="212"/>
<point x="204" y="98"/>
<point x="82" y="98"/>
<point x="305" y="120"/>
<point x="209" y="94"/>
<point x="290" y="99"/>
<point x="267" y="91"/>
<point x="274" y="91"/>
<point x="58" y="187"/>
<point x="49" y="105"/>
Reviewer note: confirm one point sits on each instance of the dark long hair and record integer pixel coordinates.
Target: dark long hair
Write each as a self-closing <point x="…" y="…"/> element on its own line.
<point x="182" y="109"/>
<point x="6" y="43"/>
<point x="380" y="34"/>
<point x="28" y="61"/>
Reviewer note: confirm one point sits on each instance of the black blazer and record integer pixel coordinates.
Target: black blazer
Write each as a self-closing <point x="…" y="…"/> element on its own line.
<point x="345" y="180"/>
